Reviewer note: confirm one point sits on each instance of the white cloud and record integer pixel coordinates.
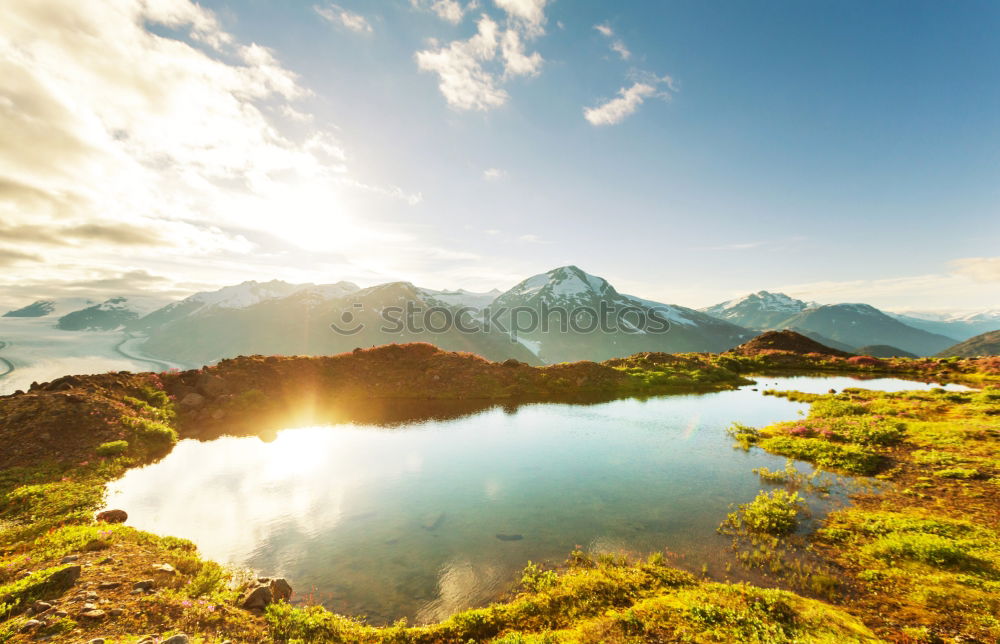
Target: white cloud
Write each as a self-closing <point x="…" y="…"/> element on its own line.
<point x="494" y="174"/>
<point x="619" y="48"/>
<point x="470" y="73"/>
<point x="448" y="10"/>
<point x="617" y="45"/>
<point x="629" y="99"/>
<point x="337" y="15"/>
<point x="516" y="62"/>
<point x="981" y="269"/>
<point x="463" y="81"/>
<point x="615" y="110"/>
<point x="530" y="14"/>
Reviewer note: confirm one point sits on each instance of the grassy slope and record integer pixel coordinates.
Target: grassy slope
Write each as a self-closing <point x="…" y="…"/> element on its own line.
<point x="46" y="508"/>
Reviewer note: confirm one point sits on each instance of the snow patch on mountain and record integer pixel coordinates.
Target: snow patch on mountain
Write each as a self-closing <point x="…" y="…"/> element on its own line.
<point x="761" y="301"/>
<point x="460" y="298"/>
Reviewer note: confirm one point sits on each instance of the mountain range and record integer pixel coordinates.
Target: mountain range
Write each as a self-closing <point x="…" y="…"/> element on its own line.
<point x="846" y="326"/>
<point x="277" y="317"/>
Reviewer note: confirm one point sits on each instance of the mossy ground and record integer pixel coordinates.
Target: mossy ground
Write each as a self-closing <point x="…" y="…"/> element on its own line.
<point x="917" y="561"/>
<point x="920" y="558"/>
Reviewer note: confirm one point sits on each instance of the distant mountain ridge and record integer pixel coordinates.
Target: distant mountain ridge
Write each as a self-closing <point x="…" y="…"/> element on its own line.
<point x="760" y="310"/>
<point x="843" y="326"/>
<point x="282" y="317"/>
<point x="960" y="326"/>
<point x="300" y="324"/>
<point x="110" y="314"/>
<point x="986" y="344"/>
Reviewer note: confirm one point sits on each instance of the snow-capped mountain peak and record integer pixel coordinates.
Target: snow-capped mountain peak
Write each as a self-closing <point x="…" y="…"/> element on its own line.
<point x="563" y="285"/>
<point x="112" y="313"/>
<point x="761" y="301"/>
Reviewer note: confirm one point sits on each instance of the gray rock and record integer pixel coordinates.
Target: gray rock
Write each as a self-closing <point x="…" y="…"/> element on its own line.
<point x="113" y="516"/>
<point x="66" y="577"/>
<point x="192" y="401"/>
<point x="257" y="598"/>
<point x="281" y="590"/>
<point x="109" y="585"/>
<point x="30" y="624"/>
<point x="164" y="567"/>
<point x="41" y="607"/>
<point x="69" y="559"/>
<point x="145" y="584"/>
<point x="97" y="640"/>
<point x="95" y="614"/>
<point x="92" y="595"/>
<point x="60" y="614"/>
<point x="116" y="612"/>
<point x="180" y="638"/>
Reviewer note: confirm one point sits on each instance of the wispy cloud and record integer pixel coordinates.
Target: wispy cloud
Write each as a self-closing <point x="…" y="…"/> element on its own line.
<point x="337" y="15"/>
<point x="981" y="269"/>
<point x="627" y="102"/>
<point x="494" y="174"/>
<point x="451" y="11"/>
<point x="617" y="44"/>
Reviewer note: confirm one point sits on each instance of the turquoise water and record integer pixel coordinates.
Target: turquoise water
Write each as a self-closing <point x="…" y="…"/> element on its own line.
<point x="421" y="519"/>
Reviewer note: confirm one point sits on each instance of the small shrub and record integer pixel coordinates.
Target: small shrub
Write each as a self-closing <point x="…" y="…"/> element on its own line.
<point x="535" y="578"/>
<point x="113" y="448"/>
<point x="835" y="407"/>
<point x="774" y="512"/>
<point x="744" y="434"/>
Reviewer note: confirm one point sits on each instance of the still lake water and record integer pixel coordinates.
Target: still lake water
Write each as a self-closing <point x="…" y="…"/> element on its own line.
<point x="421" y="519"/>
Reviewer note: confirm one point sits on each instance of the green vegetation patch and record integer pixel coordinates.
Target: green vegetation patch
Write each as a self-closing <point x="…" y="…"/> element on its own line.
<point x="776" y="512"/>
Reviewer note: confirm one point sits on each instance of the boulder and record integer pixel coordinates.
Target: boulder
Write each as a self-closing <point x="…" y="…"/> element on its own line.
<point x="66" y="577"/>
<point x="192" y="401"/>
<point x="257" y="598"/>
<point x="112" y="516"/>
<point x="180" y="638"/>
<point x="211" y="386"/>
<point x="281" y="590"/>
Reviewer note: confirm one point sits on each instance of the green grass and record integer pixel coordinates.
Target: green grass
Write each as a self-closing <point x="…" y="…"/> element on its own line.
<point x="853" y="459"/>
<point x="958" y="473"/>
<point x="776" y="512"/>
<point x="112" y="448"/>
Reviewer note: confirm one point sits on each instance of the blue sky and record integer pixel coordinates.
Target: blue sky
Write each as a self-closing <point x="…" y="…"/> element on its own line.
<point x="840" y="151"/>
